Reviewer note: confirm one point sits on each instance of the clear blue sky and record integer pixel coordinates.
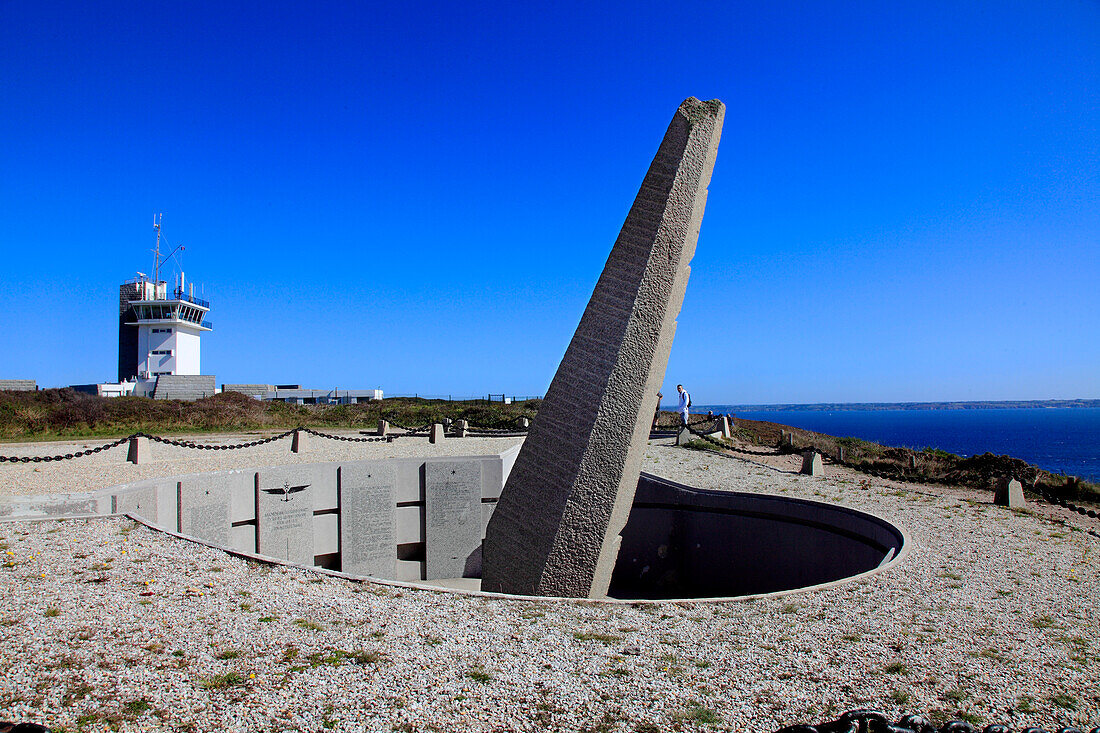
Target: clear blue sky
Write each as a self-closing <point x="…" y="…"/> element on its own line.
<point x="906" y="203"/>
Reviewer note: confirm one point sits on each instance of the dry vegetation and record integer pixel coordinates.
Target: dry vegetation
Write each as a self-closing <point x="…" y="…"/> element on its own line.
<point x="65" y="413"/>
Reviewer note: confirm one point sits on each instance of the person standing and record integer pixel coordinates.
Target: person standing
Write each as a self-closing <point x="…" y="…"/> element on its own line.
<point x="685" y="403"/>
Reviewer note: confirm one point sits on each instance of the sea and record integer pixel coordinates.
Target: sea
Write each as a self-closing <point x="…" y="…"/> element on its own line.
<point x="1060" y="440"/>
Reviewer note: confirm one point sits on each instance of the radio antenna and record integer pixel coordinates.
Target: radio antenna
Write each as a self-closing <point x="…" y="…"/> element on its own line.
<point x="156" y="252"/>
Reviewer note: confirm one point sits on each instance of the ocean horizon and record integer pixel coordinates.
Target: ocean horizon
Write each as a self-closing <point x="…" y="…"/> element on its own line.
<point x="1058" y="439"/>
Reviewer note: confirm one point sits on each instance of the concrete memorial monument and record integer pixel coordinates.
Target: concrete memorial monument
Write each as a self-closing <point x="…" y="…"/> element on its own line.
<point x="452" y="517"/>
<point x="556" y="528"/>
<point x="368" y="520"/>
<point x="284" y="512"/>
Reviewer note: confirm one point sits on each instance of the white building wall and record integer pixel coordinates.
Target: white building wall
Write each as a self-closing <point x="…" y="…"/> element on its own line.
<point x="180" y="343"/>
<point x="187" y="351"/>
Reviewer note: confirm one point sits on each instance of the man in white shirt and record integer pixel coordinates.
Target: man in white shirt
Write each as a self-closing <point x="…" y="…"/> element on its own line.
<point x="685" y="403"/>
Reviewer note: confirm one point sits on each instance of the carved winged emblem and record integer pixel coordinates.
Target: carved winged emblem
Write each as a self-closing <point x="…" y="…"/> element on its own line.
<point x="286" y="490"/>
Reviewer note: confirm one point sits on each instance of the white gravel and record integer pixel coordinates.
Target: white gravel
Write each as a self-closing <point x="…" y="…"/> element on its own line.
<point x="994" y="616"/>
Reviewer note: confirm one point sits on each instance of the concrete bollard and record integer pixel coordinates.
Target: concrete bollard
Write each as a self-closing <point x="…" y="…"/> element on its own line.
<point x="913" y="462"/>
<point x="462" y="427"/>
<point x="724" y="426"/>
<point x="1009" y="492"/>
<point x="524" y="423"/>
<point x="298" y="442"/>
<point x="812" y="464"/>
<point x="138" y="451"/>
<point x="684" y="436"/>
<point x="437" y="433"/>
<point x="383" y="427"/>
<point x="840" y="454"/>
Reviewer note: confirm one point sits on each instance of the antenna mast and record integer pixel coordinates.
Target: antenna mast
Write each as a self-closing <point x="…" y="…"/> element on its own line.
<point x="156" y="252"/>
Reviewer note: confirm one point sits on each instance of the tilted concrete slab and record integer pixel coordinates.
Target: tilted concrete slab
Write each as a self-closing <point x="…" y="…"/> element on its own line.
<point x="556" y="528"/>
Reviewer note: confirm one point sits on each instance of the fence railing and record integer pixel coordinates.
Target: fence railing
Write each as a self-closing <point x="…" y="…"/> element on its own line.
<point x="480" y="399"/>
<point x="181" y="294"/>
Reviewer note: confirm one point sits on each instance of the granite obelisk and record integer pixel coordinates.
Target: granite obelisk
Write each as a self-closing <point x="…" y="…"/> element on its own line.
<point x="555" y="530"/>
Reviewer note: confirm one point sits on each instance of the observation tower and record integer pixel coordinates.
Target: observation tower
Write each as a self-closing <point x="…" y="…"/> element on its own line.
<point x="159" y="331"/>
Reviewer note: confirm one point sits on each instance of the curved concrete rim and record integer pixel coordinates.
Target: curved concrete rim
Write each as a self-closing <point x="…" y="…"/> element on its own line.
<point x="906" y="550"/>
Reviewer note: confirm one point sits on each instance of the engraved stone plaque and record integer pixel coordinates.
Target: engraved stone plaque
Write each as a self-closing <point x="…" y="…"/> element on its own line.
<point x="452" y="516"/>
<point x="139" y="502"/>
<point x="204" y="505"/>
<point x="368" y="520"/>
<point x="284" y="512"/>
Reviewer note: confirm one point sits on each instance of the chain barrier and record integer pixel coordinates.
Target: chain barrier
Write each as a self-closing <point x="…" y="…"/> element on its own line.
<point x="201" y="446"/>
<point x="128" y="438"/>
<point x="872" y="721"/>
<point x="901" y="475"/>
<point x="904" y="477"/>
<point x="66" y="456"/>
<point x="348" y="438"/>
<point x="1059" y="501"/>
<point x="484" y="431"/>
<point x="407" y="429"/>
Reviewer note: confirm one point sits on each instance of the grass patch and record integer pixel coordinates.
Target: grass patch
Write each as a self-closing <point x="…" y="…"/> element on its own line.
<point x="969" y="717"/>
<point x="896" y="668"/>
<point x="955" y="695"/>
<point x="993" y="654"/>
<point x="699" y="444"/>
<point x="76" y="692"/>
<point x="227" y="654"/>
<point x="900" y="697"/>
<point x="137" y="706"/>
<point x="699" y="715"/>
<point x="1042" y="622"/>
<point x="1068" y="702"/>
<point x="305" y="623"/>
<point x="222" y="681"/>
<point x="591" y="636"/>
<point x="478" y="674"/>
<point x="330" y="657"/>
<point x="372" y="656"/>
<point x="52" y="612"/>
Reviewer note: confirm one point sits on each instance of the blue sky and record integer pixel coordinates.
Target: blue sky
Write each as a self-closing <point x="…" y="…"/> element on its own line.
<point x="905" y="206"/>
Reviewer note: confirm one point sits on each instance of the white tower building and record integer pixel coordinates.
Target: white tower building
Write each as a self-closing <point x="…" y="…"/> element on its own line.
<point x="169" y="326"/>
<point x="159" y="331"/>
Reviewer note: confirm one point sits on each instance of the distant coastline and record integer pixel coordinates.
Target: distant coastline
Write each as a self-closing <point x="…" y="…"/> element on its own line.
<point x="869" y="406"/>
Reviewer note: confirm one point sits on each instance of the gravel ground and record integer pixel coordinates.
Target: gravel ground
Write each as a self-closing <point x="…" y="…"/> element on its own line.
<point x="993" y="617"/>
